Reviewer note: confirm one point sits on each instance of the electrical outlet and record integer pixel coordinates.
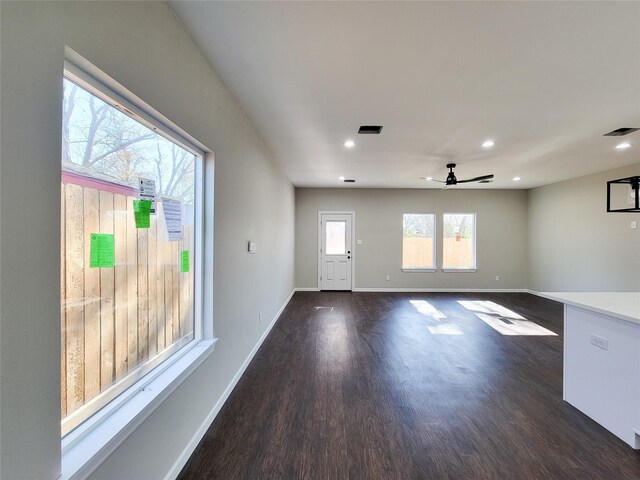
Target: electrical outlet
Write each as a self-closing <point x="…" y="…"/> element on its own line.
<point x="600" y="342"/>
<point x="497" y="277"/>
<point x="388" y="277"/>
<point x="358" y="242"/>
<point x="634" y="225"/>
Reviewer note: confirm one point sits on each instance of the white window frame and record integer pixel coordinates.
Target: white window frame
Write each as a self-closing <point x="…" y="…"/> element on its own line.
<point x="86" y="446"/>
<point x="433" y="268"/>
<point x="473" y="268"/>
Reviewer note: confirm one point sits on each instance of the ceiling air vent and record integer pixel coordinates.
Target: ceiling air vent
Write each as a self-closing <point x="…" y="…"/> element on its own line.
<point x="619" y="132"/>
<point x="370" y="129"/>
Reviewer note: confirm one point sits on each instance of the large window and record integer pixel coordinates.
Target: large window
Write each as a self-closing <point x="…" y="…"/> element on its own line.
<point x="418" y="241"/>
<point x="129" y="209"/>
<point x="459" y="241"/>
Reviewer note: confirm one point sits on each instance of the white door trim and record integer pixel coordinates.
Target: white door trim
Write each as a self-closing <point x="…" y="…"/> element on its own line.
<point x="353" y="244"/>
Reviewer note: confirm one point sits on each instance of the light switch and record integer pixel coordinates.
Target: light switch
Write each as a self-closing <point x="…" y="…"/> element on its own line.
<point x="358" y="242"/>
<point x="634" y="225"/>
<point x="252" y="248"/>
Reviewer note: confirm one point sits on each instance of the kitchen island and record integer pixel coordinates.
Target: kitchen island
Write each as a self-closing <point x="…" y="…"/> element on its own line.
<point x="602" y="358"/>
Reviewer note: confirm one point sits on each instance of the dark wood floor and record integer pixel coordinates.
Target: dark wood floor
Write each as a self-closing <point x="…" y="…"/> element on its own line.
<point x="354" y="385"/>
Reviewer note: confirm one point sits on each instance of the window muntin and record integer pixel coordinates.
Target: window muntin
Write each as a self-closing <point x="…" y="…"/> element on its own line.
<point x="459" y="241"/>
<point x="418" y="241"/>
<point x="120" y="322"/>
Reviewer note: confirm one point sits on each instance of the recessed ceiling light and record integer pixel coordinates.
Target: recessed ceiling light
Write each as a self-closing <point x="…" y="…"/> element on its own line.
<point x="340" y="178"/>
<point x="488" y="144"/>
<point x="623" y="145"/>
<point x="349" y="144"/>
<point x="516" y="179"/>
<point x="428" y="179"/>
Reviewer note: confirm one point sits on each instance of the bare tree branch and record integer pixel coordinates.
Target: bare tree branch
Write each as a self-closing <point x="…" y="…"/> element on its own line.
<point x="121" y="146"/>
<point x="112" y="144"/>
<point x="67" y="111"/>
<point x="159" y="168"/>
<point x="97" y="117"/>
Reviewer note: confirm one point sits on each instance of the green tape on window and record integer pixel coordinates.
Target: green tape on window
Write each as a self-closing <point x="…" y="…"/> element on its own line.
<point x="141" y="212"/>
<point x="101" y="250"/>
<point x="184" y="261"/>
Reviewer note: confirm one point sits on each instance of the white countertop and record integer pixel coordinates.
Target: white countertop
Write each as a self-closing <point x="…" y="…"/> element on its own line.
<point x="622" y="305"/>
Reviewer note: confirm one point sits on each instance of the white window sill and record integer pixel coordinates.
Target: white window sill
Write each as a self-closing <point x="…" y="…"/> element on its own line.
<point x="419" y="270"/>
<point x="459" y="270"/>
<point x="84" y="449"/>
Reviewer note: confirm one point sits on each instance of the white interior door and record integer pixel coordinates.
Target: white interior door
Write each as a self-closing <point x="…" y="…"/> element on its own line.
<point x="336" y="249"/>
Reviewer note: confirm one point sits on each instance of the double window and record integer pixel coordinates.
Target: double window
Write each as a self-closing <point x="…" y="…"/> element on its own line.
<point x="419" y="242"/>
<point x="131" y="229"/>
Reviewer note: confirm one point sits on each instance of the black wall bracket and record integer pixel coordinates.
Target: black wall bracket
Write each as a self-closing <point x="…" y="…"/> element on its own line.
<point x="634" y="183"/>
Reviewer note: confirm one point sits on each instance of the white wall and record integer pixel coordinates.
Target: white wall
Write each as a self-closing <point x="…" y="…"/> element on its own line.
<point x="144" y="47"/>
<point x="575" y="245"/>
<point x="500" y="245"/>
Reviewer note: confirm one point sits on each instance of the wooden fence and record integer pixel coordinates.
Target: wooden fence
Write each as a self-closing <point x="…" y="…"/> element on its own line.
<point x="115" y="319"/>
<point x="417" y="252"/>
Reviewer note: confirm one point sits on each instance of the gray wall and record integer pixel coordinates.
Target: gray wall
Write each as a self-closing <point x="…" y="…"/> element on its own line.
<point x="500" y="246"/>
<point x="574" y="245"/>
<point x="144" y="47"/>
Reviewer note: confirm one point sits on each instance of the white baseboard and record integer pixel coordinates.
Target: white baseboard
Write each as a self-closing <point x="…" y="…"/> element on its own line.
<point x="182" y="459"/>
<point x="425" y="290"/>
<point x="442" y="290"/>
<point x="533" y="292"/>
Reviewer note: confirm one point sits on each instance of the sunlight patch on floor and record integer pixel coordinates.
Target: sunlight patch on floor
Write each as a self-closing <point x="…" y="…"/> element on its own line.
<point x="504" y="320"/>
<point x="425" y="308"/>
<point x="445" y="329"/>
<point x="490" y="308"/>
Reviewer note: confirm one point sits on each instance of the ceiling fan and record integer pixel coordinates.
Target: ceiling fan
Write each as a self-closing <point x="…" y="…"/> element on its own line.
<point x="452" y="180"/>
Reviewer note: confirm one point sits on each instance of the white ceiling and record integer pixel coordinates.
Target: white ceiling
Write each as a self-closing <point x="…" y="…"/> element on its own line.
<point x="545" y="80"/>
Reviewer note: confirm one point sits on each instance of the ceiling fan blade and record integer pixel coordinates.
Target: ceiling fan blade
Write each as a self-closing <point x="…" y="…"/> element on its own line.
<point x="432" y="180"/>
<point x="477" y="179"/>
